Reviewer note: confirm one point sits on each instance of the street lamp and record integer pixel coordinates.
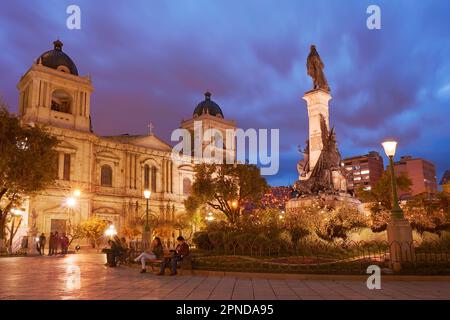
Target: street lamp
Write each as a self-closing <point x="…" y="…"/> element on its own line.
<point x="209" y="217"/>
<point x="111" y="231"/>
<point x="71" y="202"/>
<point x="77" y="193"/>
<point x="147" y="194"/>
<point x="390" y="147"/>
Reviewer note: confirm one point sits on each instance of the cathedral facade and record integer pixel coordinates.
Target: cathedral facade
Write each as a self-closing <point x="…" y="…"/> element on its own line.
<point x="111" y="172"/>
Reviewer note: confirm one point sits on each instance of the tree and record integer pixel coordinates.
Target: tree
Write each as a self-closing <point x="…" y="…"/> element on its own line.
<point x="94" y="229"/>
<point x="75" y="232"/>
<point x="228" y="188"/>
<point x="12" y="226"/>
<point x="380" y="198"/>
<point x="381" y="193"/>
<point x="27" y="162"/>
<point x="429" y="214"/>
<point x="133" y="228"/>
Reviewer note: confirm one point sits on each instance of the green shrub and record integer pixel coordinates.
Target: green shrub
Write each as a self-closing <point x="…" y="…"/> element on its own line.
<point x="201" y="240"/>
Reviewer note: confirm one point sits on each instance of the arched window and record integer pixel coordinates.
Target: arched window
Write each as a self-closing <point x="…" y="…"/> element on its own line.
<point x="61" y="101"/>
<point x="106" y="176"/>
<point x="146" y="177"/>
<point x="187" y="186"/>
<point x="153" y="186"/>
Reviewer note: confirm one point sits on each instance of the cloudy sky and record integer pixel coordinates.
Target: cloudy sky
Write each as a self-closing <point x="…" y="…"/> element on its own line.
<point x="151" y="61"/>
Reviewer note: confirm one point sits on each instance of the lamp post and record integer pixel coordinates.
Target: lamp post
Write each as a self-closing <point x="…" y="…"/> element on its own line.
<point x="147" y="194"/>
<point x="390" y="147"/>
<point x="147" y="234"/>
<point x="399" y="231"/>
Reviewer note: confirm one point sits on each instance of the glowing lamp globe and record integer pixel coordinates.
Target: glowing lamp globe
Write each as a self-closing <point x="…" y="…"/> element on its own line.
<point x="389" y="147"/>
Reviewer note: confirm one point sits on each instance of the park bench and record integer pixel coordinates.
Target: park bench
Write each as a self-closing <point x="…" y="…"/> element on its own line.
<point x="184" y="266"/>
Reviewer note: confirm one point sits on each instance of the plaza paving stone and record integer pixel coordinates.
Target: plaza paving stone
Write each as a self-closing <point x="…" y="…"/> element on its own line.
<point x="34" y="278"/>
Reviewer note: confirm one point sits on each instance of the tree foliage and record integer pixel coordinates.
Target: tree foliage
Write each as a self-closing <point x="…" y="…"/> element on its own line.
<point x="226" y="187"/>
<point x="93" y="229"/>
<point x="27" y="162"/>
<point x="381" y="193"/>
<point x="429" y="214"/>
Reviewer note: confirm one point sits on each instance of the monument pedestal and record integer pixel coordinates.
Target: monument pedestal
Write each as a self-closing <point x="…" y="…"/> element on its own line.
<point x="401" y="246"/>
<point x="32" y="243"/>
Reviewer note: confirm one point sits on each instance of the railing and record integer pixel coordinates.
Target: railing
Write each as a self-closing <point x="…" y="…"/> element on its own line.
<point x="323" y="257"/>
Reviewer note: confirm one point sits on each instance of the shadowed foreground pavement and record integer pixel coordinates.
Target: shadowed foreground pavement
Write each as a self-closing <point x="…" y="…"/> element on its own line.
<point x="57" y="278"/>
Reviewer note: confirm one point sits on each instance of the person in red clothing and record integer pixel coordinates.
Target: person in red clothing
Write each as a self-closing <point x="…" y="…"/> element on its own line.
<point x="180" y="251"/>
<point x="64" y="244"/>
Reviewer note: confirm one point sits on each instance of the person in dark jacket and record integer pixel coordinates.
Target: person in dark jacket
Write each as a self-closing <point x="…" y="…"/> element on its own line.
<point x="56" y="242"/>
<point x="64" y="244"/>
<point x="180" y="251"/>
<point x="51" y="244"/>
<point x="111" y="253"/>
<point x="42" y="242"/>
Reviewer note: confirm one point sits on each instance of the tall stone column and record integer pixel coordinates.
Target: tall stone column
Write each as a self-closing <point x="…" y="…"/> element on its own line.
<point x="317" y="104"/>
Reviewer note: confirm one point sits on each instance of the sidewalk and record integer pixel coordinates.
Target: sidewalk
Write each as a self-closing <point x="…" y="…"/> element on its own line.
<point x="84" y="276"/>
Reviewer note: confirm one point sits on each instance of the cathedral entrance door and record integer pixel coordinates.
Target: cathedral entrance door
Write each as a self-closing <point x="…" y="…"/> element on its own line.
<point x="58" y="225"/>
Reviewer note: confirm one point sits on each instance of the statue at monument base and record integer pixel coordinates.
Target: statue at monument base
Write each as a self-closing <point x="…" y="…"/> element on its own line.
<point x="327" y="175"/>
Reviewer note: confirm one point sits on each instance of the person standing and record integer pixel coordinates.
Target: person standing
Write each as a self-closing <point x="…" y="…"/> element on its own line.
<point x="56" y="243"/>
<point x="64" y="244"/>
<point x="42" y="242"/>
<point x="51" y="244"/>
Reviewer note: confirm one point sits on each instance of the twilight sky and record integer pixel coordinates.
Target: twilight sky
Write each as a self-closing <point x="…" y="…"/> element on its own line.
<point x="151" y="61"/>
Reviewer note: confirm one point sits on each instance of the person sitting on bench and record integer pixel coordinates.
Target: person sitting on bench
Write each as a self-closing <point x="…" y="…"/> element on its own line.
<point x="180" y="251"/>
<point x="155" y="252"/>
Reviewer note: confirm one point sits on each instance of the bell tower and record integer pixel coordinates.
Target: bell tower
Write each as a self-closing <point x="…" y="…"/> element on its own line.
<point x="51" y="92"/>
<point x="208" y="117"/>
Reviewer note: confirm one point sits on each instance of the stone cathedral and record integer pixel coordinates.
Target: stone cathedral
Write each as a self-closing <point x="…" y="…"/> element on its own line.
<point x="111" y="172"/>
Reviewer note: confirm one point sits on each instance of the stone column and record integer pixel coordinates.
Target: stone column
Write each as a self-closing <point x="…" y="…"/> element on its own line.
<point x="401" y="246"/>
<point x="317" y="104"/>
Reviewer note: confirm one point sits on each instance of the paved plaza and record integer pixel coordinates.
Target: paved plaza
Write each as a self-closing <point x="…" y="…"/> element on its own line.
<point x="57" y="278"/>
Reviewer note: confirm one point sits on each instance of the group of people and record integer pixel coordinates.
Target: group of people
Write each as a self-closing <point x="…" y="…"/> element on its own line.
<point x="168" y="258"/>
<point x="56" y="242"/>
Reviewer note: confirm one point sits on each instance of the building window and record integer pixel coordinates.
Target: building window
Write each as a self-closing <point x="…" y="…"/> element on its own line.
<point x="146" y="177"/>
<point x="365" y="171"/>
<point x="187" y="186"/>
<point x="153" y="185"/>
<point x="66" y="168"/>
<point x="106" y="176"/>
<point x="61" y="101"/>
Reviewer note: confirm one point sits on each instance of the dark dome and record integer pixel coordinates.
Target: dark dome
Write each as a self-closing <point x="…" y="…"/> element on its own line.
<point x="208" y="107"/>
<point x="56" y="58"/>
